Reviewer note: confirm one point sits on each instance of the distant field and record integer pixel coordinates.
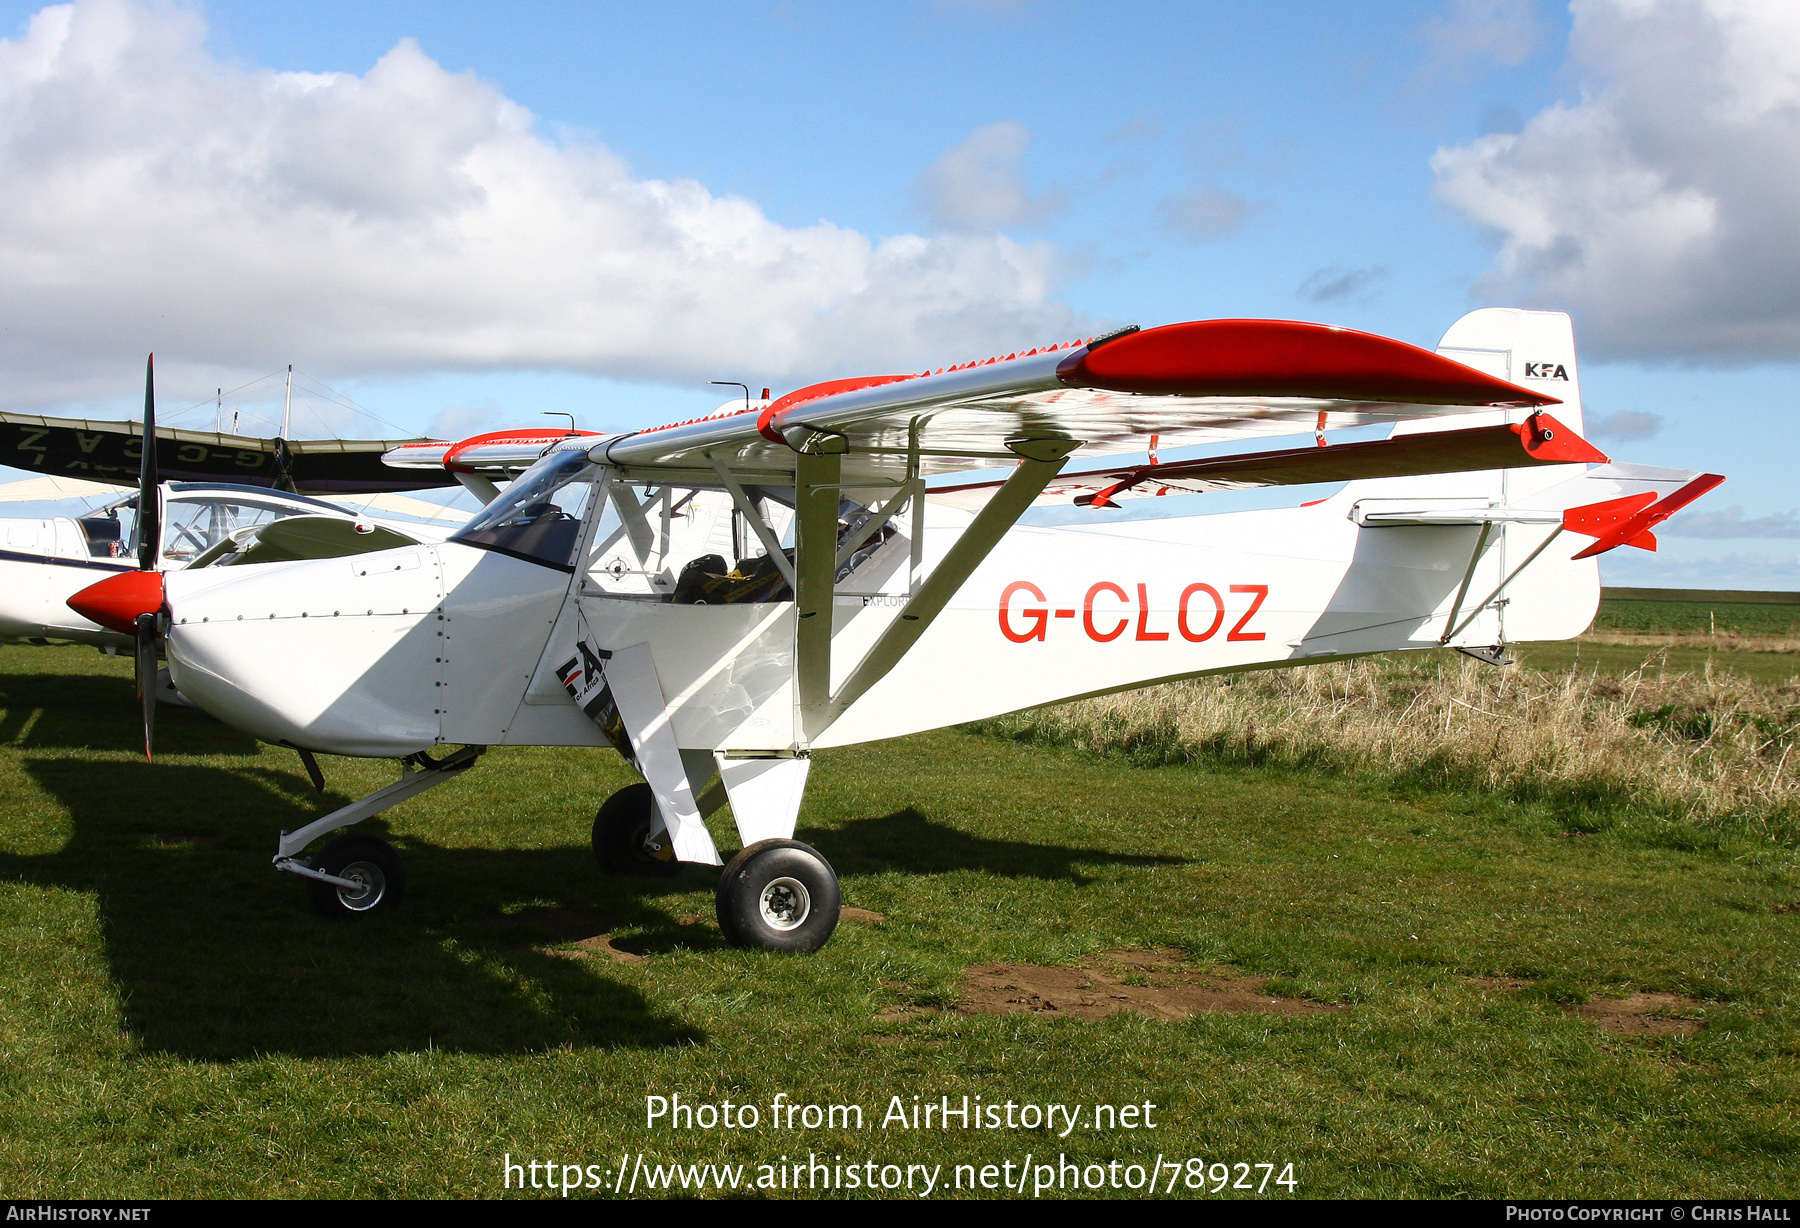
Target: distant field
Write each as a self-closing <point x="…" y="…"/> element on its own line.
<point x="1754" y="635"/>
<point x="1694" y="611"/>
<point x="1774" y="668"/>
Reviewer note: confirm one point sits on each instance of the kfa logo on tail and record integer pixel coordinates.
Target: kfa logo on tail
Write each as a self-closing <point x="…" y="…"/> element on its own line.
<point x="1546" y="370"/>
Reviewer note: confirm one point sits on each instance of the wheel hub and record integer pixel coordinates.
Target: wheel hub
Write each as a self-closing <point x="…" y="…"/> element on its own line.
<point x="785" y="904"/>
<point x="373" y="884"/>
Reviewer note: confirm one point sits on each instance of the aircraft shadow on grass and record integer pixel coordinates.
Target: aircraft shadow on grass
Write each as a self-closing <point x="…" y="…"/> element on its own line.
<point x="100" y="712"/>
<point x="911" y="842"/>
<point x="216" y="957"/>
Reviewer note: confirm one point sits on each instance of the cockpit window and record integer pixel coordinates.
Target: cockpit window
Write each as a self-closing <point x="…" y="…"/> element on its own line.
<point x="192" y="526"/>
<point x="538" y="517"/>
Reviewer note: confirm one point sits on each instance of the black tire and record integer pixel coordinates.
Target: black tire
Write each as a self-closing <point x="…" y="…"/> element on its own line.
<point x="622" y="836"/>
<point x="778" y="895"/>
<point x="367" y="860"/>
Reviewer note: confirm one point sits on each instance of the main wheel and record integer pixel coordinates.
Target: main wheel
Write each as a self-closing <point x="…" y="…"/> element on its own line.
<point x="779" y="895"/>
<point x="622" y="839"/>
<point x="364" y="860"/>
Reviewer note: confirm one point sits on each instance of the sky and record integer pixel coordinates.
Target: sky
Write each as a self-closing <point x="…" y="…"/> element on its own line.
<point x="458" y="217"/>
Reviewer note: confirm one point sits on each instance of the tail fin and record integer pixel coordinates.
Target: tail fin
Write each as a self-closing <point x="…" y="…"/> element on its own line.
<point x="1534" y="349"/>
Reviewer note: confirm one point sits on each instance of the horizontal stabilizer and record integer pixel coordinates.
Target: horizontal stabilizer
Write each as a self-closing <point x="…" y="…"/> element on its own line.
<point x="1628" y="521"/>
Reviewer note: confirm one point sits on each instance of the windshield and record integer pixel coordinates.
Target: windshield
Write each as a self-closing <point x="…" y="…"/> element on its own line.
<point x="538" y="517"/>
<point x="191" y="526"/>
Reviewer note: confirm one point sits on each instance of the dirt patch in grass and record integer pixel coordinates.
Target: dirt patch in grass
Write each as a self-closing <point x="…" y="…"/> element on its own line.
<point x="1780" y="909"/>
<point x="590" y="933"/>
<point x="850" y="912"/>
<point x="1643" y="1014"/>
<point x="1149" y="983"/>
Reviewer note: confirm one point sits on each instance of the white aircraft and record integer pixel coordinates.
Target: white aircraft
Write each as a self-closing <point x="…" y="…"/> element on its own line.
<point x="233" y="500"/>
<point x="934" y="549"/>
<point x="46" y="560"/>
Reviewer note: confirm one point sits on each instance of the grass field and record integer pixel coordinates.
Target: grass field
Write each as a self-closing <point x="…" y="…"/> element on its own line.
<point x="173" y="1022"/>
<point x="1678" y="611"/>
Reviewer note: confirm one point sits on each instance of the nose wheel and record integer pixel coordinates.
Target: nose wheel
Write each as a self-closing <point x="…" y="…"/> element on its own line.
<point x="778" y="895"/>
<point x="371" y="877"/>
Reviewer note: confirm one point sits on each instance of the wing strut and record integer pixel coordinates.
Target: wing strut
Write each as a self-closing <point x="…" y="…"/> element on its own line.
<point x="1483" y="604"/>
<point x="1041" y="460"/>
<point x="1487" y="531"/>
<point x="816" y="498"/>
<point x="753" y="514"/>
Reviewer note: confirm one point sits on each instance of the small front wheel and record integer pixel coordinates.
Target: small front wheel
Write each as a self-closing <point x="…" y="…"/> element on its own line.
<point x="779" y="895"/>
<point x="622" y="836"/>
<point x="371" y="864"/>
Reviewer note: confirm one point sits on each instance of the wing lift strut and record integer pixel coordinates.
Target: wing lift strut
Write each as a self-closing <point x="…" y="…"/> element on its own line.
<point x="819" y="555"/>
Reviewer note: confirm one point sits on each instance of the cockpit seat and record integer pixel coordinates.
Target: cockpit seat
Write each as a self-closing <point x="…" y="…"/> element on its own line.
<point x="705" y="581"/>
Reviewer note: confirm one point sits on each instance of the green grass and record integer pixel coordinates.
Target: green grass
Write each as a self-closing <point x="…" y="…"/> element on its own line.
<point x="173" y="1022"/>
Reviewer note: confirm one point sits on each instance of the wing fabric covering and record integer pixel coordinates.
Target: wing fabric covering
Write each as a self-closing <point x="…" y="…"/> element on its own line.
<point x="109" y="452"/>
<point x="1408" y="455"/>
<point x="1202" y="382"/>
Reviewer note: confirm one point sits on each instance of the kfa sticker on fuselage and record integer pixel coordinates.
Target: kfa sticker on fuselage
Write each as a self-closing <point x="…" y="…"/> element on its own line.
<point x="584" y="677"/>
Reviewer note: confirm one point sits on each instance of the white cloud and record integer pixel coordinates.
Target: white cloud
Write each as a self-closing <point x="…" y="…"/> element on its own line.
<point x="1334" y="283"/>
<point x="1505" y="31"/>
<point x="1732" y="524"/>
<point x="412" y="219"/>
<point x="1661" y="205"/>
<point x="1626" y="426"/>
<point x="979" y="186"/>
<point x="1209" y="212"/>
<point x="1635" y="568"/>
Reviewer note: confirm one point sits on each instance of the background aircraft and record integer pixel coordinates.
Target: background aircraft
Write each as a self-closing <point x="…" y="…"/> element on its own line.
<point x="913" y="551"/>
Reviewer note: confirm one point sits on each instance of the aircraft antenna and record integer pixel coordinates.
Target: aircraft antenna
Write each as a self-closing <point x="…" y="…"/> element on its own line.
<point x="287" y="408"/>
<point x="731" y="383"/>
<point x="219" y="412"/>
<point x="557" y="413"/>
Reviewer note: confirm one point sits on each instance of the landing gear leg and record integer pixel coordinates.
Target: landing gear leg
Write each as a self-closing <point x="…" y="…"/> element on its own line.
<point x="355" y="876"/>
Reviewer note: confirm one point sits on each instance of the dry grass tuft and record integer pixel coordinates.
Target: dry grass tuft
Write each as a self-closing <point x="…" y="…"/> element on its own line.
<point x="1712" y="750"/>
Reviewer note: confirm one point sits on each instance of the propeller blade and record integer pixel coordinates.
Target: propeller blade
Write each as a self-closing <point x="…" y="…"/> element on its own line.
<point x="146" y="673"/>
<point x="149" y="514"/>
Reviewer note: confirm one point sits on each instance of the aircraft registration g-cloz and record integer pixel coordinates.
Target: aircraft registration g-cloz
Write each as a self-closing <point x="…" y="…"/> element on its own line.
<point x="864" y="559"/>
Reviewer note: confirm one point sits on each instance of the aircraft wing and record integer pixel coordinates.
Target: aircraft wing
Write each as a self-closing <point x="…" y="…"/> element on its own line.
<point x="1205" y="381"/>
<point x="108" y="452"/>
<point x="1539" y="440"/>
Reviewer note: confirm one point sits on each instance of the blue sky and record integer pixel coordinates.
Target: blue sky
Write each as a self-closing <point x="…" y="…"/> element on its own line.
<point x="1063" y="167"/>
